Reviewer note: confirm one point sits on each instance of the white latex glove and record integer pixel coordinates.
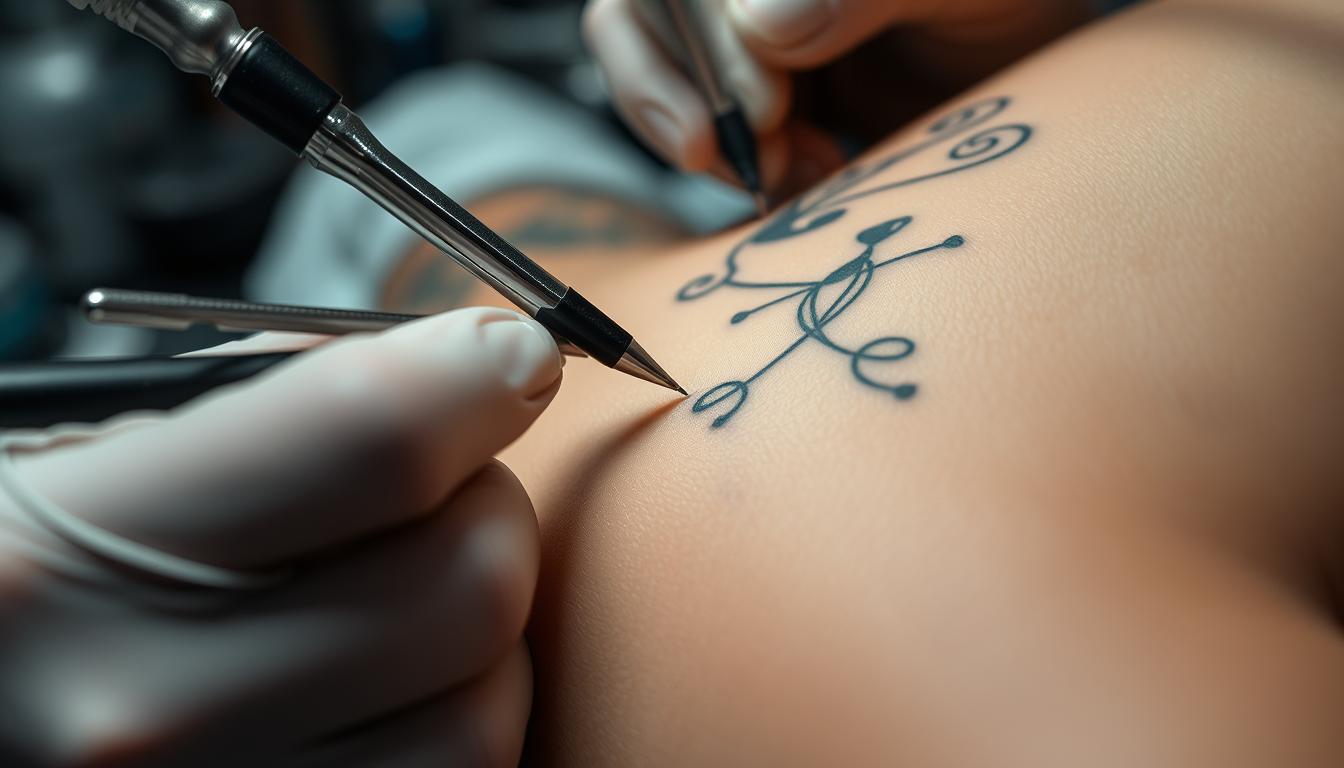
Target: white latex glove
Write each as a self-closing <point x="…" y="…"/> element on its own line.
<point x="395" y="564"/>
<point x="759" y="44"/>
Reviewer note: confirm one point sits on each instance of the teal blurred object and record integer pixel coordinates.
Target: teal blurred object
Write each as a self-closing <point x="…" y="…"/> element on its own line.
<point x="24" y="303"/>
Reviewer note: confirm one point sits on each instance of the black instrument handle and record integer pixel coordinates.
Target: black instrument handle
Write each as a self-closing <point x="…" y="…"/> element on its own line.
<point x="37" y="395"/>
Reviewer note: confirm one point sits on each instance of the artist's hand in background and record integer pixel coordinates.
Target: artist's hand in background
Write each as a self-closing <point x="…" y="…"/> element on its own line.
<point x="872" y="64"/>
<point x="361" y="474"/>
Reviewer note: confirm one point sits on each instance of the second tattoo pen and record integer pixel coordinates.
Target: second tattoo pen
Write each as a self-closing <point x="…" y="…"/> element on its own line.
<point x="737" y="141"/>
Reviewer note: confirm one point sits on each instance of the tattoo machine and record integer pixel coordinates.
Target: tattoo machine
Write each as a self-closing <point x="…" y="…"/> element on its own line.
<point x="36" y="395"/>
<point x="261" y="81"/>
<point x="686" y="26"/>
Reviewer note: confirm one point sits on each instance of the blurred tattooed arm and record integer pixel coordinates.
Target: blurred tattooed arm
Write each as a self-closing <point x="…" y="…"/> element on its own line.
<point x="554" y="226"/>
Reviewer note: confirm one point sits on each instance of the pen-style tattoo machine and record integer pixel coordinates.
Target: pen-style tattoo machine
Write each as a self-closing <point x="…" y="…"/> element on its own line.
<point x="685" y="25"/>
<point x="261" y="81"/>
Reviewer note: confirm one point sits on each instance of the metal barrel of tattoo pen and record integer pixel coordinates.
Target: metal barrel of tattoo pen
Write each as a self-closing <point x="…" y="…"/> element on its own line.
<point x="737" y="141"/>
<point x="261" y="81"/>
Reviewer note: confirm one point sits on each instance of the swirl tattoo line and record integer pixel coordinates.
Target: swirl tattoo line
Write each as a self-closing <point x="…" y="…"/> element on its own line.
<point x="814" y="314"/>
<point x="815" y="310"/>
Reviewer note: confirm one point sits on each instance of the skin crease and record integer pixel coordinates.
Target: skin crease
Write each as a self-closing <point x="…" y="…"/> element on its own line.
<point x="1106" y="531"/>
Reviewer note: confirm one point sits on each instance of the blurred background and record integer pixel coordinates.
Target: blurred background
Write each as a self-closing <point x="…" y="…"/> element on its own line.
<point x="118" y="170"/>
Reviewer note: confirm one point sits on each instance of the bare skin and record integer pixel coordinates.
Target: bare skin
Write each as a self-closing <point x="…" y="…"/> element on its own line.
<point x="1105" y="529"/>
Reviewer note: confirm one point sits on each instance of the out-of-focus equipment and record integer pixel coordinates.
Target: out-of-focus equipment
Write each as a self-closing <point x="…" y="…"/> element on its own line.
<point x="737" y="143"/>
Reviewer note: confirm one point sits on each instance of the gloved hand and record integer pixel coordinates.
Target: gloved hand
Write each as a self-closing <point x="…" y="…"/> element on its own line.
<point x="374" y="567"/>
<point x="935" y="48"/>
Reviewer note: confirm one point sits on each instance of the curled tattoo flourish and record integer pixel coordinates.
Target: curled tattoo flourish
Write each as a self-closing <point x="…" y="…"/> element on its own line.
<point x="817" y="308"/>
<point x="820" y="302"/>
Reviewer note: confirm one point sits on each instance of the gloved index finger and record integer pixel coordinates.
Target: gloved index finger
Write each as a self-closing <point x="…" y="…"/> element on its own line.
<point x="357" y="436"/>
<point x="259" y="343"/>
<point x="763" y="92"/>
<point x="652" y="81"/>
<point x="654" y="96"/>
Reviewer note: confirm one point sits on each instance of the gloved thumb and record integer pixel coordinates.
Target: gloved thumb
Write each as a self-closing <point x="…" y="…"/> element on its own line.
<point x="359" y="435"/>
<point x="800" y="34"/>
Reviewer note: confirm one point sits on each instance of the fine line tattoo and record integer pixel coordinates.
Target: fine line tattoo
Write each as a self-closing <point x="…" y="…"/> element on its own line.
<point x="821" y="301"/>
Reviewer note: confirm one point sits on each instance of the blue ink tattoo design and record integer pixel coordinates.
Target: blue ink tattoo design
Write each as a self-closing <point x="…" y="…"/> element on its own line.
<point x="815" y="310"/>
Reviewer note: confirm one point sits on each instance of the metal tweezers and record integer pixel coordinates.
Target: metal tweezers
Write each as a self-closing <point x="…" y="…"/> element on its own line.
<point x="178" y="311"/>
<point x="40" y="394"/>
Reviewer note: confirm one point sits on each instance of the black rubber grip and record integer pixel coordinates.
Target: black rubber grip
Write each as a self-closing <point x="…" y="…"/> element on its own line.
<point x="738" y="144"/>
<point x="585" y="325"/>
<point x="278" y="94"/>
<point x="89" y="391"/>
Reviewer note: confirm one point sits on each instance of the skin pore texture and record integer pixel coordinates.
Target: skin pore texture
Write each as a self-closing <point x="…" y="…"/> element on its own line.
<point x="1022" y="449"/>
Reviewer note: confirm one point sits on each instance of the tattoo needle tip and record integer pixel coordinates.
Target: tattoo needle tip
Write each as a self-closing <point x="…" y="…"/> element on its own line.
<point x="683" y="391"/>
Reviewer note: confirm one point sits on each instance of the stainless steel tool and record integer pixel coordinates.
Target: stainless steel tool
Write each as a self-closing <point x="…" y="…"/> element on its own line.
<point x="685" y="24"/>
<point x="253" y="75"/>
<point x="178" y="311"/>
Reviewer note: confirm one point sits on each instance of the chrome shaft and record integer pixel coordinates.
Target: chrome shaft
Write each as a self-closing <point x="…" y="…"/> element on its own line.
<point x="345" y="148"/>
<point x="178" y="311"/>
<point x="200" y="36"/>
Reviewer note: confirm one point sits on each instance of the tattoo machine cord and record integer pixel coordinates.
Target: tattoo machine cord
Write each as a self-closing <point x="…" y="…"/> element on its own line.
<point x="257" y="78"/>
<point x="39" y="395"/>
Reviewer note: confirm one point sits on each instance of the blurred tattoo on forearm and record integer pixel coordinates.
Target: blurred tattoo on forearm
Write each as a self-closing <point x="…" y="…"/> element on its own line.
<point x="427" y="282"/>
<point x="819" y="302"/>
<point x="550" y="221"/>
<point x="576" y="219"/>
